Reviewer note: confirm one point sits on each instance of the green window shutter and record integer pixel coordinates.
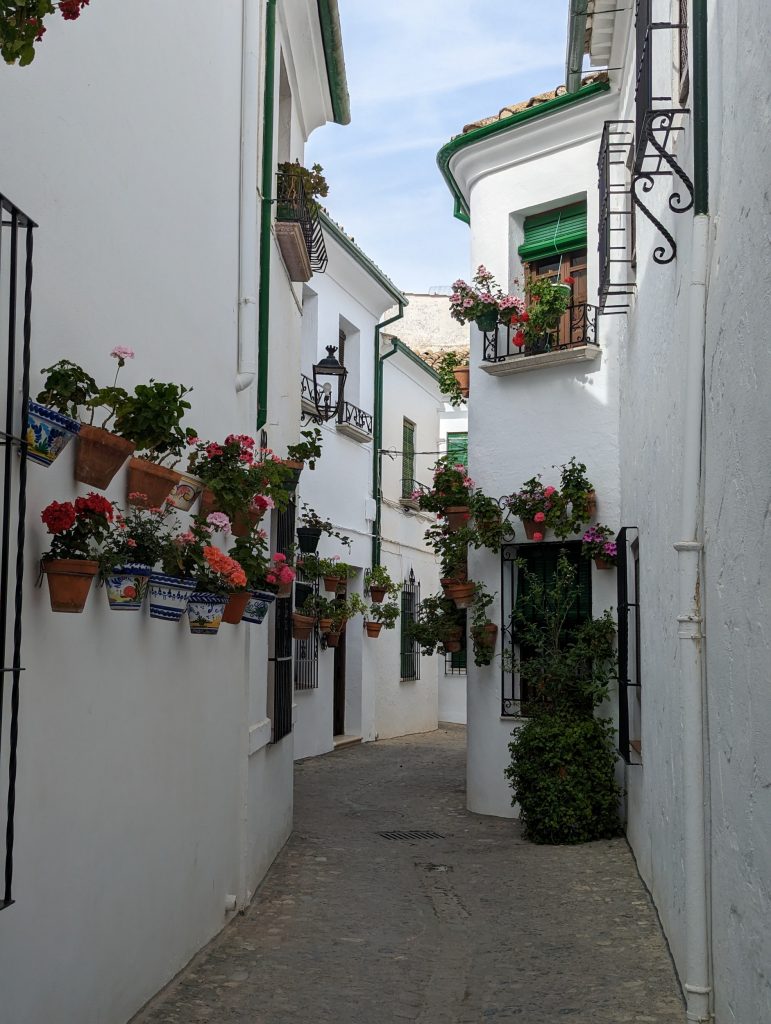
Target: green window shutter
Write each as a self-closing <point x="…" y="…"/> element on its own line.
<point x="408" y="458"/>
<point x="554" y="232"/>
<point x="457" y="448"/>
<point x="542" y="562"/>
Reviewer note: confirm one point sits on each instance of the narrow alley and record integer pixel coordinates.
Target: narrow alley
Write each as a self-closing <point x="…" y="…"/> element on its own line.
<point x="469" y="924"/>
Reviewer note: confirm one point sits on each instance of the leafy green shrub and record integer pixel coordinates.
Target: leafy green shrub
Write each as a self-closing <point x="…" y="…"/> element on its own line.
<point x="562" y="775"/>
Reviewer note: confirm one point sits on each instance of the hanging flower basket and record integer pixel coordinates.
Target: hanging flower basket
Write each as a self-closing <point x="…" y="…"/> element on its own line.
<point x="332" y="583"/>
<point x="487" y="322"/>
<point x="236" y="606"/>
<point x="325" y="625"/>
<point x="205" y="611"/>
<point x="185" y="492"/>
<point x="127" y="586"/>
<point x="48" y="433"/>
<point x="308" y="538"/>
<point x="100" y="456"/>
<point x="169" y="596"/>
<point x="69" y="581"/>
<point x="457" y="516"/>
<point x="257" y="607"/>
<point x="149" y="485"/>
<point x="603" y="563"/>
<point x="373" y="628"/>
<point x="302" y="625"/>
<point x="377" y="594"/>
<point x="463" y="594"/>
<point x="333" y="638"/>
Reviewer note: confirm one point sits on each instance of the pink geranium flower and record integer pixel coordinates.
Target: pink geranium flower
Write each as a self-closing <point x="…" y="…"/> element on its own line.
<point x="121" y="352"/>
<point x="537" y="536"/>
<point x="539" y="517"/>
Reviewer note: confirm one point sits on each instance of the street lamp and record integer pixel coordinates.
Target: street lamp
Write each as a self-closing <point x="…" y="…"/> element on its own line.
<point x="329" y="367"/>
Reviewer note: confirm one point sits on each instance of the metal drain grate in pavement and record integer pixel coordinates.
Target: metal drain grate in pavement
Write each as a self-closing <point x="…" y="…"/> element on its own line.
<point x="410" y="837"/>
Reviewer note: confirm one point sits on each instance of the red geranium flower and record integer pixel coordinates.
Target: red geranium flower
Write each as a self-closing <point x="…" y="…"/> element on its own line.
<point x="570" y="280"/>
<point x="59" y="516"/>
<point x="94" y="505"/>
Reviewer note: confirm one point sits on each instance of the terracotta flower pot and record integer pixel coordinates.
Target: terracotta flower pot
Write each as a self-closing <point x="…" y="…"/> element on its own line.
<point x="333" y="638"/>
<point x="325" y="625"/>
<point x="100" y="456"/>
<point x="297" y="467"/>
<point x="457" y="516"/>
<point x="302" y="625"/>
<point x="452" y="646"/>
<point x="155" y="482"/>
<point x="185" y="492"/>
<point x="602" y="563"/>
<point x="532" y="528"/>
<point x="284" y="590"/>
<point x="591" y="504"/>
<point x="461" y="374"/>
<point x="463" y="594"/>
<point x="485" y="636"/>
<point x="208" y="502"/>
<point x="455" y="634"/>
<point x="373" y="628"/>
<point x="236" y="606"/>
<point x="377" y="594"/>
<point x="331" y="583"/>
<point x="453" y="584"/>
<point x="245" y="522"/>
<point x="69" y="581"/>
<point x="48" y="433"/>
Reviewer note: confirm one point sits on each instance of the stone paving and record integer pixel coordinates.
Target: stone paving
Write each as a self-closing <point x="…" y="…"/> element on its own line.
<point x="478" y="926"/>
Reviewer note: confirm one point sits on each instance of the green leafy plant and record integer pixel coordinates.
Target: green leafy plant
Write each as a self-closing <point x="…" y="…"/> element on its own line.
<point x="548" y="301"/>
<point x="314" y="567"/>
<point x="448" y="382"/>
<point x="182" y="554"/>
<point x="575" y="499"/>
<point x="21" y="25"/>
<point x="436" y="620"/>
<point x="342" y="611"/>
<point x="294" y="178"/>
<point x="563" y="759"/>
<point x="310" y="518"/>
<point x="452" y="487"/>
<point x="253" y="555"/>
<point x="308" y="450"/>
<point x="67" y="388"/>
<point x="484" y="649"/>
<point x="387" y="613"/>
<point x="318" y="606"/>
<point x="489" y="529"/>
<point x="138" y="535"/>
<point x="379" y="576"/>
<point x="152" y="417"/>
<point x="240" y="478"/>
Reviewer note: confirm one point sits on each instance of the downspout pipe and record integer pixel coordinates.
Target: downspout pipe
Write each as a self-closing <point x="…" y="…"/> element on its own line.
<point x="698" y="980"/>
<point x="574" y="59"/>
<point x="377" y="432"/>
<point x="263" y="313"/>
<point x="247" y="204"/>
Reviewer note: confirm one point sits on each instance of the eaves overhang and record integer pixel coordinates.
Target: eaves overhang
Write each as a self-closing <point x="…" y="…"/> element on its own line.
<point x="332" y="36"/>
<point x="506" y="124"/>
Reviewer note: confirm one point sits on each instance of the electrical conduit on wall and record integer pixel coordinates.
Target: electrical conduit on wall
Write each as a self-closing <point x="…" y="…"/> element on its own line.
<point x="263" y="323"/>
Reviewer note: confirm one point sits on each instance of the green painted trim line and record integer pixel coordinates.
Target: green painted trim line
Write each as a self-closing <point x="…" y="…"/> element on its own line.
<point x="263" y="312"/>
<point x="700" y="109"/>
<point x="405" y="351"/>
<point x="449" y="149"/>
<point x="574" y="58"/>
<point x="377" y="432"/>
<point x="361" y="258"/>
<point x="332" y="37"/>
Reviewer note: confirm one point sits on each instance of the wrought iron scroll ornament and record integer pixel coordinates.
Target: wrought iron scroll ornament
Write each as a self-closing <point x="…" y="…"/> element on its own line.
<point x="650" y="148"/>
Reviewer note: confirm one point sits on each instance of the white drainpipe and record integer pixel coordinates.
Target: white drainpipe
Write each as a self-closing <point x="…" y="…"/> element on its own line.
<point x="247" y="226"/>
<point x="697" y="985"/>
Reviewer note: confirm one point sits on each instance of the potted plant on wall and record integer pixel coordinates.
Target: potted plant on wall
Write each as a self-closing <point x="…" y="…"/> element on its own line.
<point x="548" y="301"/>
<point x="307" y="450"/>
<point x="378" y="583"/>
<point x="131" y="551"/>
<point x="537" y="506"/>
<point x="280" y="576"/>
<point x="101" y="452"/>
<point x="181" y="559"/>
<point x="483" y="630"/>
<point x="578" y="499"/>
<point x="435" y="625"/>
<point x="313" y="526"/>
<point x="151" y="418"/>
<point x="252" y="554"/>
<point x="381" y="616"/>
<point x="216" y="576"/>
<point x="599" y="543"/>
<point x="453" y="372"/>
<point x="342" y="612"/>
<point x="78" y="529"/>
<point x="484" y="302"/>
<point x="297" y="183"/>
<point x="54" y="419"/>
<point x="450" y="494"/>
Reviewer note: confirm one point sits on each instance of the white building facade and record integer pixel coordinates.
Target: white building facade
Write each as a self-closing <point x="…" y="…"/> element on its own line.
<point x="153" y="785"/>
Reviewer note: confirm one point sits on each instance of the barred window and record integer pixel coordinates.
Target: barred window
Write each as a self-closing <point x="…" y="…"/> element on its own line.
<point x="410" y="649"/>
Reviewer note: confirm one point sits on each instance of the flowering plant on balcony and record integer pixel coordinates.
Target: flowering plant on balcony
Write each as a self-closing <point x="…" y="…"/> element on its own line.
<point x="452" y="488"/>
<point x="79" y="528"/>
<point x="536" y="504"/>
<point x="598" y="544"/>
<point x="547" y="303"/>
<point x="484" y="302"/>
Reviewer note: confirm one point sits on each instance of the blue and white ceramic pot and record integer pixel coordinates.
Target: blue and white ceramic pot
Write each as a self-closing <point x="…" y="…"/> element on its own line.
<point x="204" y="612"/>
<point x="127" y="586"/>
<point x="258" y="606"/>
<point x="48" y="433"/>
<point x="169" y="596"/>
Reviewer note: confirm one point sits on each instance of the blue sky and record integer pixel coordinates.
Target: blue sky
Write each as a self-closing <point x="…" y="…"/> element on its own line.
<point x="418" y="70"/>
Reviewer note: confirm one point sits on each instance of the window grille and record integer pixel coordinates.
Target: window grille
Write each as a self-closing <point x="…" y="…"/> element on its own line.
<point x="629" y="674"/>
<point x="281" y="711"/>
<point x="616" y="224"/>
<point x="456" y="662"/>
<point x="306" y="652"/>
<point x="457" y="448"/>
<point x="542" y="561"/>
<point x="410" y="649"/>
<point x="408" y="458"/>
<point x="16" y="235"/>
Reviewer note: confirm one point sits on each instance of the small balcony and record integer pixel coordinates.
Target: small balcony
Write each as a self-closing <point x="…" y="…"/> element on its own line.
<point x="298" y="229"/>
<point x="351" y="421"/>
<point x="411" y="491"/>
<point x="575" y="340"/>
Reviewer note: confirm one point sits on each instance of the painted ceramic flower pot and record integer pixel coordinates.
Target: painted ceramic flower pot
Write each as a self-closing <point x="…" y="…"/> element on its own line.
<point x="377" y="594"/>
<point x="487" y="322"/>
<point x="257" y="606"/>
<point x="152" y="481"/>
<point x="169" y="596"/>
<point x="373" y="628"/>
<point x="236" y="606"/>
<point x="100" y="456"/>
<point x="127" y="586"/>
<point x="308" y="538"/>
<point x="48" y="433"/>
<point x="185" y="492"/>
<point x="205" y="611"/>
<point x="302" y="625"/>
<point x="457" y="516"/>
<point x="69" y="581"/>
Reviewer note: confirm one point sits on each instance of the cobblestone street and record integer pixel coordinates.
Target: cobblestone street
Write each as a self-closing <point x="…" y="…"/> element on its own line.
<point x="474" y="926"/>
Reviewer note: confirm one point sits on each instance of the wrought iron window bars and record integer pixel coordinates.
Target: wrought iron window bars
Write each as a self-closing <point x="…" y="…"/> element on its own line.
<point x="578" y="329"/>
<point x="410" y="649"/>
<point x="616" y="241"/>
<point x="16" y="240"/>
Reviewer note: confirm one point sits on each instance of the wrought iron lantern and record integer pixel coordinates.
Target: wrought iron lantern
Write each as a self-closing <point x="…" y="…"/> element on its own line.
<point x="324" y="373"/>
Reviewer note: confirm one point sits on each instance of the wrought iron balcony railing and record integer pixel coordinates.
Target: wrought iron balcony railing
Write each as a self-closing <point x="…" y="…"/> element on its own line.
<point x="349" y="415"/>
<point x="577" y="328"/>
<point x="294" y="208"/>
<point x="412" y="489"/>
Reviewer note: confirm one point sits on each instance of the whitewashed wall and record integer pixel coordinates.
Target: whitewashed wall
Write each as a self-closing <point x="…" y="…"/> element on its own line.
<point x="525" y="424"/>
<point x="735" y="590"/>
<point x="147" y="792"/>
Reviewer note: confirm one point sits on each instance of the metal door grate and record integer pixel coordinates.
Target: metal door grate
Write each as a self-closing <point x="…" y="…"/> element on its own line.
<point x="15" y="291"/>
